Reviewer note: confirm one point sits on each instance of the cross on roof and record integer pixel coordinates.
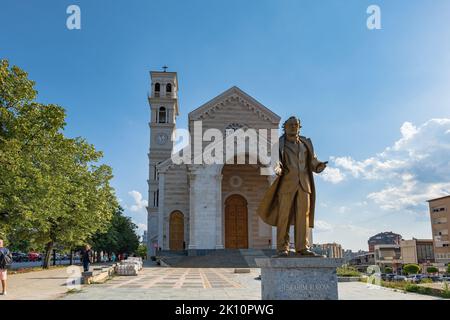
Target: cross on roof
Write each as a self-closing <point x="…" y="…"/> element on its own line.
<point x="165" y="68"/>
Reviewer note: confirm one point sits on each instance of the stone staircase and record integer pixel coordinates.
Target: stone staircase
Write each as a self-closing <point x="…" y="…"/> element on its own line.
<point x="229" y="258"/>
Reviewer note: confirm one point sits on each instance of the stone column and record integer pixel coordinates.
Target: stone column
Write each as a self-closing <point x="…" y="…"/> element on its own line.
<point x="203" y="209"/>
<point x="274" y="237"/>
<point x="219" y="213"/>
<point x="271" y="179"/>
<point x="192" y="239"/>
<point x="161" y="211"/>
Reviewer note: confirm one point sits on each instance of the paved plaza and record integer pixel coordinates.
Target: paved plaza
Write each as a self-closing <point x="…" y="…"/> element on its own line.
<point x="159" y="283"/>
<point x="156" y="283"/>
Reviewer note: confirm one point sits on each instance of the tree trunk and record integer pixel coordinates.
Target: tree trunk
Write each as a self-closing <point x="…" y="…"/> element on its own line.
<point x="54" y="257"/>
<point x="71" y="257"/>
<point x="48" y="252"/>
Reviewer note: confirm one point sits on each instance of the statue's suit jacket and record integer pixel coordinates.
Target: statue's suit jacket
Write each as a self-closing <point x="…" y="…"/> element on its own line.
<point x="268" y="209"/>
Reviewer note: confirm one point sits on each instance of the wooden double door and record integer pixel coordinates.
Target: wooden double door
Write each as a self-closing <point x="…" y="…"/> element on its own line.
<point x="176" y="231"/>
<point x="236" y="222"/>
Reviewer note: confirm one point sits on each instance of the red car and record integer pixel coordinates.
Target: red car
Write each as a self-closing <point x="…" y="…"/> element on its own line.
<point x="33" y="256"/>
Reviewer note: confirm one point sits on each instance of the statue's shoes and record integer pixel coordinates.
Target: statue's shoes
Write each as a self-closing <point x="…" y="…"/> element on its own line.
<point x="281" y="254"/>
<point x="308" y="253"/>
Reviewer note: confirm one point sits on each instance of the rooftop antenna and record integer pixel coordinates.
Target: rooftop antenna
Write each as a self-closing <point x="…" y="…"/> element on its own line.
<point x="165" y="68"/>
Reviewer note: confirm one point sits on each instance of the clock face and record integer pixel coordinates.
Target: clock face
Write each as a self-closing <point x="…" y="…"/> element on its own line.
<point x="161" y="138"/>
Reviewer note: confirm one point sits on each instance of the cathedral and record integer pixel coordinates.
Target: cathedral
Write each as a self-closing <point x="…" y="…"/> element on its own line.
<point x="200" y="207"/>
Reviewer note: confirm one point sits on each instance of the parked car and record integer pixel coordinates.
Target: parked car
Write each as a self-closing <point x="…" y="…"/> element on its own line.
<point x="416" y="278"/>
<point x="435" y="278"/>
<point x="19" y="257"/>
<point x="390" y="276"/>
<point x="34" y="256"/>
<point x="445" y="278"/>
<point x="399" y="278"/>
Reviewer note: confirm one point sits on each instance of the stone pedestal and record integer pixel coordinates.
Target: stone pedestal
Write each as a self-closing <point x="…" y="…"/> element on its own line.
<point x="299" y="278"/>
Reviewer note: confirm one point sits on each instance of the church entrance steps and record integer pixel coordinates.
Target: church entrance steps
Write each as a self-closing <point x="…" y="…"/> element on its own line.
<point x="234" y="258"/>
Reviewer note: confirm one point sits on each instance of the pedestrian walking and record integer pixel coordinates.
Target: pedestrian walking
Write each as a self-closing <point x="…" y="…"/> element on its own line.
<point x="5" y="260"/>
<point x="86" y="257"/>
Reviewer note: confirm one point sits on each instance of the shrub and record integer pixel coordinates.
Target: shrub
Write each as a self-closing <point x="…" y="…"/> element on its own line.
<point x="426" y="280"/>
<point x="446" y="291"/>
<point x="432" y="270"/>
<point x="388" y="270"/>
<point x="411" y="268"/>
<point x="412" y="287"/>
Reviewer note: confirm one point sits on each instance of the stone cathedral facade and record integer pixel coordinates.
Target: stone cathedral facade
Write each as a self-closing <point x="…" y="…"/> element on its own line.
<point x="198" y="207"/>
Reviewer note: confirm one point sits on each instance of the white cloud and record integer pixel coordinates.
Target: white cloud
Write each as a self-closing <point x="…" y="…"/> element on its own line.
<point x="415" y="169"/>
<point x="141" y="228"/>
<point x="139" y="202"/>
<point x="343" y="209"/>
<point x="322" y="226"/>
<point x="349" y="235"/>
<point x="332" y="175"/>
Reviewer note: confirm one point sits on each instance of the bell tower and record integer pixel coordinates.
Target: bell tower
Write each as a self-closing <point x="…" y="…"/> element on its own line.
<point x="163" y="101"/>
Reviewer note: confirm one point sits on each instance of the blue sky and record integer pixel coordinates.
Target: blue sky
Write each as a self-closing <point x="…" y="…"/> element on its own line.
<point x="357" y="91"/>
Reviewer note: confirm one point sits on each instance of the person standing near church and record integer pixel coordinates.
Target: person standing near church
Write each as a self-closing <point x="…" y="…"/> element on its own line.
<point x="5" y="260"/>
<point x="290" y="200"/>
<point x="86" y="257"/>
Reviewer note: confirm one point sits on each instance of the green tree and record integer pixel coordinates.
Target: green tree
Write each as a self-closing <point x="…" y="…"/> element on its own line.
<point x="411" y="268"/>
<point x="388" y="270"/>
<point x="120" y="237"/>
<point x="51" y="190"/>
<point x="432" y="270"/>
<point x="142" y="251"/>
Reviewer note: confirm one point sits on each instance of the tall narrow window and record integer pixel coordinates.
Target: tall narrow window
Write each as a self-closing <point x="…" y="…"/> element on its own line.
<point x="169" y="87"/>
<point x="162" y="115"/>
<point x="157" y="198"/>
<point x="157" y="87"/>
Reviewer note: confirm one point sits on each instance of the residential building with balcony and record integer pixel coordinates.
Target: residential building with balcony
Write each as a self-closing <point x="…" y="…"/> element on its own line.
<point x="440" y="225"/>
<point x="388" y="255"/>
<point x="363" y="261"/>
<point x="330" y="250"/>
<point x="384" y="238"/>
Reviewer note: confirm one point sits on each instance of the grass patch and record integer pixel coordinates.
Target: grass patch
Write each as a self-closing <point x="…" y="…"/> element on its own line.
<point x="415" y="288"/>
<point x="347" y="272"/>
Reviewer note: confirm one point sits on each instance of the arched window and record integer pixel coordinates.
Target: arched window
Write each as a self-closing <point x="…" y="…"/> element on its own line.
<point x="157" y="87"/>
<point x="168" y="87"/>
<point x="162" y="115"/>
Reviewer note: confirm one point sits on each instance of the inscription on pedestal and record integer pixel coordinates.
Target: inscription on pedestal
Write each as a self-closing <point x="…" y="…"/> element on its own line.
<point x="299" y="278"/>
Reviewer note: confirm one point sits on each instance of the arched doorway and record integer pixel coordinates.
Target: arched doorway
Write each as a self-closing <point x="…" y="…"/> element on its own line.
<point x="176" y="231"/>
<point x="236" y="225"/>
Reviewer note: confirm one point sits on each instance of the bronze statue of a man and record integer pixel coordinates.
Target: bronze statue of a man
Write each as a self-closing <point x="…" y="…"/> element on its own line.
<point x="290" y="200"/>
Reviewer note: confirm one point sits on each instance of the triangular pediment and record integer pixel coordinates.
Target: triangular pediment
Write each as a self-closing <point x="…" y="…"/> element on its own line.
<point x="233" y="95"/>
